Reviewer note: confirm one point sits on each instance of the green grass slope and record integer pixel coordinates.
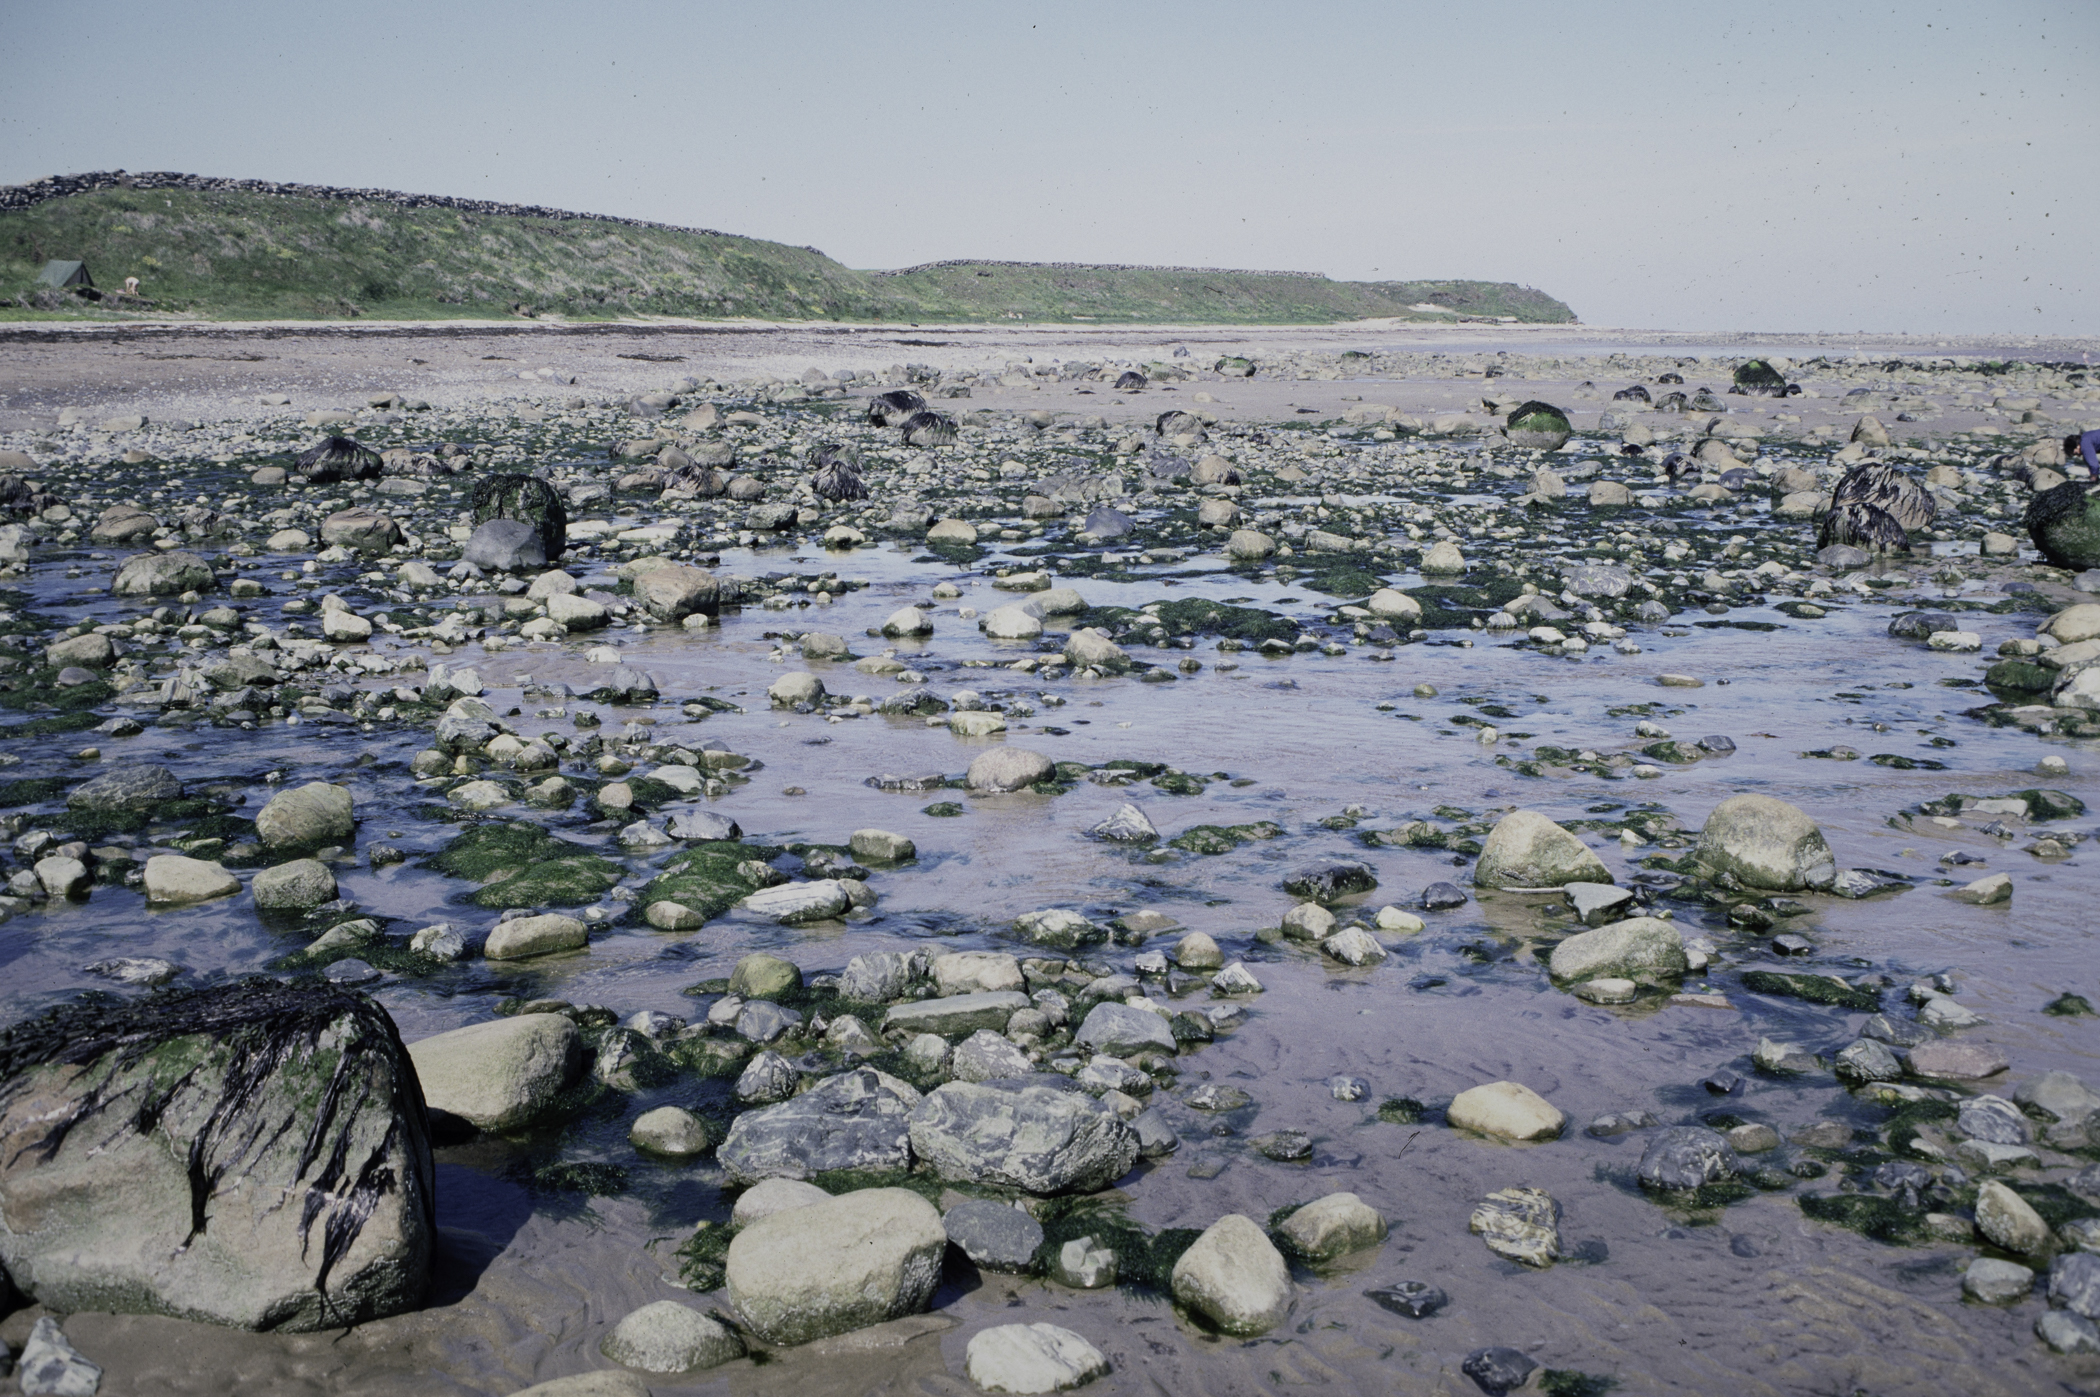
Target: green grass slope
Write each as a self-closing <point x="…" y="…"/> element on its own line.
<point x="242" y="256"/>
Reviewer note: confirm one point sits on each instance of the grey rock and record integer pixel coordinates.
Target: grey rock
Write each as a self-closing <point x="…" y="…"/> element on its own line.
<point x="1083" y="1265"/>
<point x="987" y="1056"/>
<point x="1767" y="844"/>
<point x="1156" y="1138"/>
<point x="101" y="1215"/>
<point x="300" y="884"/>
<point x="2067" y="1333"/>
<point x="506" y="545"/>
<point x="1127" y="825"/>
<point x="1035" y="1138"/>
<point x="958" y="1014"/>
<point x="163" y="575"/>
<point x="880" y="977"/>
<point x="499" y="1075"/>
<point x="1123" y="1029"/>
<point x="855" y="1260"/>
<point x="1865" y="1060"/>
<point x="1106" y="523"/>
<point x="704" y="826"/>
<point x="1415" y="1299"/>
<point x="1031" y="1358"/>
<point x="1496" y="1370"/>
<point x="127" y="788"/>
<point x="307" y="816"/>
<point x="994" y="1236"/>
<point x="855" y="1120"/>
<point x="1235" y="1278"/>
<point x="135" y="970"/>
<point x="1330" y="882"/>
<point x="1993" y="1120"/>
<point x="51" y="1367"/>
<point x="767" y="1078"/>
<point x="1995" y="1282"/>
<point x="1008" y="769"/>
<point x="668" y="1337"/>
<point x="1687" y="1157"/>
<point x="762" y="1021"/>
<point x="2074" y="1283"/>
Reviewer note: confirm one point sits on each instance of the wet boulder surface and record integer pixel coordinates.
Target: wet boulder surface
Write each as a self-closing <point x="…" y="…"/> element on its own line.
<point x="251" y="1155"/>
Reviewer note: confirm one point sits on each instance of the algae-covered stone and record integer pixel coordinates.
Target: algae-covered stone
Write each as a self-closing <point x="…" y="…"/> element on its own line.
<point x="1520" y="1225"/>
<point x="1644" y="949"/>
<point x="1527" y="850"/>
<point x="1537" y="426"/>
<point x="127" y="1121"/>
<point x="762" y="976"/>
<point x="1765" y="844"/>
<point x="499" y="1075"/>
<point x="127" y="788"/>
<point x="676" y="592"/>
<point x="1235" y="1278"/>
<point x="2010" y="1221"/>
<point x="851" y="1261"/>
<point x="2064" y="522"/>
<point x="529" y="500"/>
<point x="307" y="816"/>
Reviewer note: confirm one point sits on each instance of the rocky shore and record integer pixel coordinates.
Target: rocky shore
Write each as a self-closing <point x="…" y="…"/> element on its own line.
<point x="671" y="827"/>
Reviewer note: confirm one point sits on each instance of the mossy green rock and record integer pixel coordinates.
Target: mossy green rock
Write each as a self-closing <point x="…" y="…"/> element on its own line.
<point x="522" y="865"/>
<point x="706" y="878"/>
<point x="760" y="976"/>
<point x="1538" y="426"/>
<point x="2064" y="523"/>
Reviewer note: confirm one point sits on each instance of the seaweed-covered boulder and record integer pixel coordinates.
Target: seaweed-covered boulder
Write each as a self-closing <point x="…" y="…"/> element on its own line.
<point x="1537" y="426"/>
<point x="252" y="1154"/>
<point x="929" y="429"/>
<point x="2064" y="523"/>
<point x="1756" y="377"/>
<point x="855" y="1120"/>
<point x="897" y="405"/>
<point x="338" y="458"/>
<point x="837" y="474"/>
<point x="1889" y="490"/>
<point x="1042" y="1139"/>
<point x="1687" y="1157"/>
<point x="1856" y="524"/>
<point x="529" y="500"/>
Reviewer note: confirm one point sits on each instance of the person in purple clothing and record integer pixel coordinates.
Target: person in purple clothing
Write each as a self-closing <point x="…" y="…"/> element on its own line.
<point x="2084" y="444"/>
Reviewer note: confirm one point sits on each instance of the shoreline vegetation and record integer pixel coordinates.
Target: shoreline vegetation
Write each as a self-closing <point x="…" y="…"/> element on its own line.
<point x="244" y="250"/>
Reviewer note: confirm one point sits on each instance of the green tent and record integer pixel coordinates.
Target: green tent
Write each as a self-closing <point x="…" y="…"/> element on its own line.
<point x="65" y="274"/>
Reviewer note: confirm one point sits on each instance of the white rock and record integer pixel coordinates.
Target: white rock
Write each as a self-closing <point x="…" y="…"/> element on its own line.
<point x="1234" y="1276"/>
<point x="1030" y="1358"/>
<point x="1507" y="1111"/>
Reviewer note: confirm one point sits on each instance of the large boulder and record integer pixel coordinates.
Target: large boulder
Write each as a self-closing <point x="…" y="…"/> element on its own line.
<point x="528" y="500"/>
<point x="1038" y="1138"/>
<point x="173" y="878"/>
<point x="1123" y="1029"/>
<point x="1527" y="850"/>
<point x="1639" y="948"/>
<point x="127" y="788"/>
<point x="506" y="545"/>
<point x="855" y="1120"/>
<point x="1008" y="769"/>
<point x="676" y="592"/>
<point x="1765" y="844"/>
<point x="338" y="458"/>
<point x="1537" y="426"/>
<point x="162" y="575"/>
<point x="361" y="529"/>
<point x="307" y="817"/>
<point x="1235" y="1278"/>
<point x="252" y="1154"/>
<point x="294" y="886"/>
<point x="2064" y="522"/>
<point x="499" y="1075"/>
<point x="851" y="1261"/>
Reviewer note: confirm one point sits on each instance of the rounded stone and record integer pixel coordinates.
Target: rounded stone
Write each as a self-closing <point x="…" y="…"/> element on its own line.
<point x="668" y="1337"/>
<point x="171" y="878"/>
<point x="1031" y="1358"/>
<point x="1008" y="769"/>
<point x="307" y="816"/>
<point x="670" y="1130"/>
<point x="522" y="937"/>
<point x="843" y="1264"/>
<point x="1506" y="1111"/>
<point x="1234" y="1277"/>
<point x="294" y="886"/>
<point x="499" y="1075"/>
<point x="1766" y="844"/>
<point x="1527" y="850"/>
<point x="1638" y="949"/>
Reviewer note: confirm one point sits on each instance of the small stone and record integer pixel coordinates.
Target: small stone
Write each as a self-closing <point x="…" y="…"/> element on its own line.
<point x="1415" y="1299"/>
<point x="49" y="1365"/>
<point x="1994" y="1282"/>
<point x="668" y="1337"/>
<point x="2067" y="1333"/>
<point x="522" y="937"/>
<point x="1958" y="1061"/>
<point x="1332" y="1226"/>
<point x="1235" y="1278"/>
<point x="2009" y="1221"/>
<point x="1519" y="1224"/>
<point x="1687" y="1157"/>
<point x="1083" y="1266"/>
<point x="1496" y="1370"/>
<point x="670" y="1130"/>
<point x="995" y="1236"/>
<point x="1031" y="1358"/>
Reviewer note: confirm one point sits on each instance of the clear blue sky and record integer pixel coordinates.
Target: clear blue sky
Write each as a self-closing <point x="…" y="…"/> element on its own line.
<point x="1774" y="166"/>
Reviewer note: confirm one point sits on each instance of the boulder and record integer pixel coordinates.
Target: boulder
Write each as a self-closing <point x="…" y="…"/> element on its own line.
<point x="506" y="545"/>
<point x="338" y="458"/>
<point x="1527" y="850"/>
<point x="361" y="530"/>
<point x="1123" y="1029"/>
<point x="1537" y="426"/>
<point x="153" y="1146"/>
<point x="162" y="575"/>
<point x="1506" y="1111"/>
<point x="2010" y="1221"/>
<point x="90" y="651"/>
<point x="995" y="1236"/>
<point x="525" y="499"/>
<point x="1332" y="1226"/>
<point x="1040" y="1139"/>
<point x="294" y="886"/>
<point x="762" y="976"/>
<point x="307" y="817"/>
<point x="670" y="1337"/>
<point x="1031" y="1358"/>
<point x="1645" y="949"/>
<point x="1234" y="1277"/>
<point x="676" y="592"/>
<point x="851" y="1261"/>
<point x="987" y="1056"/>
<point x="1008" y="769"/>
<point x="770" y="1196"/>
<point x="1687" y="1157"/>
<point x="672" y="1131"/>
<point x="172" y="878"/>
<point x="1249" y="546"/>
<point x="1390" y="605"/>
<point x="878" y="977"/>
<point x="2064" y="522"/>
<point x="521" y="938"/>
<point x="1091" y="648"/>
<point x="127" y="788"/>
<point x="500" y="1075"/>
<point x="1765" y="844"/>
<point x="790" y="903"/>
<point x="854" y="1120"/>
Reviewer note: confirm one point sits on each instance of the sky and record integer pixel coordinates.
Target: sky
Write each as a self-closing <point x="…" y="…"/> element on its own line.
<point x="1916" y="167"/>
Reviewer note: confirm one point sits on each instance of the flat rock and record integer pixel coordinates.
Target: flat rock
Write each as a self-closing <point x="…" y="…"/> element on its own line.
<point x="995" y="1236"/>
<point x="1031" y="1358"/>
<point x="859" y="1119"/>
<point x="1958" y="1061"/>
<point x="1506" y="1111"/>
<point x="956" y="1015"/>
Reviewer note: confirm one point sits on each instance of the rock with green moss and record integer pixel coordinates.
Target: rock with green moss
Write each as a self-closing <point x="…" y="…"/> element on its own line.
<point x="1537" y="426"/>
<point x="129" y="1121"/>
<point x="1756" y="377"/>
<point x="761" y="976"/>
<point x="529" y="500"/>
<point x="2064" y="523"/>
<point x="522" y="865"/>
<point x="1767" y="844"/>
<point x="308" y="817"/>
